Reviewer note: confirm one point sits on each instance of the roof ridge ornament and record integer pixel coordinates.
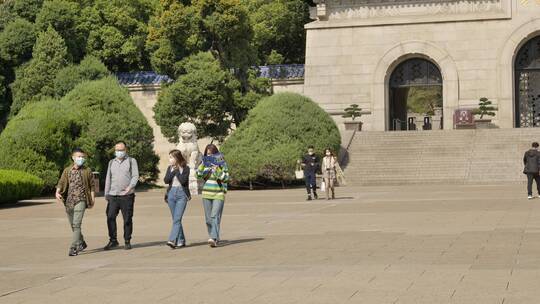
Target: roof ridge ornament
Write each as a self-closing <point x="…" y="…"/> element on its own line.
<point x="321" y="10"/>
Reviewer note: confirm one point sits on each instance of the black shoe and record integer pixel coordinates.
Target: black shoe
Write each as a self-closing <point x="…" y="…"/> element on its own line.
<point x="82" y="246"/>
<point x="309" y="198"/>
<point x="111" y="245"/>
<point x="315" y="196"/>
<point x="73" y="251"/>
<point x="128" y="245"/>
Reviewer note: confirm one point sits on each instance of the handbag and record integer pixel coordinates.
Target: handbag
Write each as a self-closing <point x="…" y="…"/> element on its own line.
<point x="323" y="186"/>
<point x="299" y="173"/>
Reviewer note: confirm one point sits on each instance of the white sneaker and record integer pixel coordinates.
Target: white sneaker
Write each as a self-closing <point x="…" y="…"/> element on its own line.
<point x="530" y="197"/>
<point x="212" y="243"/>
<point x="180" y="245"/>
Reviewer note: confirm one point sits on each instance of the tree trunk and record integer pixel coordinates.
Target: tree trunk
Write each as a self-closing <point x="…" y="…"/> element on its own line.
<point x="250" y="185"/>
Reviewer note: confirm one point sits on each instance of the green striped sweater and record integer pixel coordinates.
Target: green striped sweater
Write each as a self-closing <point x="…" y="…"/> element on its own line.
<point x="212" y="189"/>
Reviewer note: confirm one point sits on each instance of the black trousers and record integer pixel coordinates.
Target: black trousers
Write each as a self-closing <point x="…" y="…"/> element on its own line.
<point x="124" y="204"/>
<point x="530" y="178"/>
<point x="311" y="182"/>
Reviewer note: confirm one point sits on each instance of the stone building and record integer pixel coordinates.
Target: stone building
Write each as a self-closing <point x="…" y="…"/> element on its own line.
<point x="375" y="53"/>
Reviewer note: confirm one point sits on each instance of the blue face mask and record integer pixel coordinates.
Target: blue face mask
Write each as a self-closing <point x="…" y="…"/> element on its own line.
<point x="79" y="161"/>
<point x="120" y="154"/>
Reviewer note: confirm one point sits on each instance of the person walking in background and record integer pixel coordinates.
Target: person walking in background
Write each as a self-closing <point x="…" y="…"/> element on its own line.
<point x="531" y="161"/>
<point x="76" y="190"/>
<point x="122" y="178"/>
<point x="329" y="164"/>
<point x="177" y="196"/>
<point x="213" y="170"/>
<point x="311" y="164"/>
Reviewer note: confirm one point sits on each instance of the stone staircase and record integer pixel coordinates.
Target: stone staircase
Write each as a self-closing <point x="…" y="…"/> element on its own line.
<point x="430" y="157"/>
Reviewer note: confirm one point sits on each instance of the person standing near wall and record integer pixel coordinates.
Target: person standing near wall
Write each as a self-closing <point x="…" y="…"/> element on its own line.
<point x="531" y="161"/>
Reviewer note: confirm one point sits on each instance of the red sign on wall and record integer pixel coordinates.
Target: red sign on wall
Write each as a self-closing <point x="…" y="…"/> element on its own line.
<point x="463" y="117"/>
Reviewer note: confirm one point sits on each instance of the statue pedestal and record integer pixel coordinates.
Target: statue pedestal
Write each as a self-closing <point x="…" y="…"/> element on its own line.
<point x="194" y="186"/>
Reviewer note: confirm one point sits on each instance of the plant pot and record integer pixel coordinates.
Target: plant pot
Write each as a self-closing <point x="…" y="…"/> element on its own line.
<point x="353" y="125"/>
<point x="483" y="123"/>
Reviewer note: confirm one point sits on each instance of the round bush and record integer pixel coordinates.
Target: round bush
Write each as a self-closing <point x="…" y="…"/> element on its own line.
<point x="275" y="135"/>
<point x="17" y="185"/>
<point x="93" y="116"/>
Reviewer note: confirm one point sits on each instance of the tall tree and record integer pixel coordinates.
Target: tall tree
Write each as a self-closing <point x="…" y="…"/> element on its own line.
<point x="36" y="79"/>
<point x="117" y="32"/>
<point x="64" y="17"/>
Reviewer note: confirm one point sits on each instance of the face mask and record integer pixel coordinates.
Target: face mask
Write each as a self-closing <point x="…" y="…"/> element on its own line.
<point x="310" y="153"/>
<point x="120" y="154"/>
<point x="328" y="154"/>
<point x="79" y="161"/>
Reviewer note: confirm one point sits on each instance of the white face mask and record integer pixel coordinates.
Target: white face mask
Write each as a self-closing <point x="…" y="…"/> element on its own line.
<point x="120" y="154"/>
<point x="328" y="154"/>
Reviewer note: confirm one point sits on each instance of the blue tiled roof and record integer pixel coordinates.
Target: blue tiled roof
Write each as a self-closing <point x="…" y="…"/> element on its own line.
<point x="142" y="78"/>
<point x="282" y="71"/>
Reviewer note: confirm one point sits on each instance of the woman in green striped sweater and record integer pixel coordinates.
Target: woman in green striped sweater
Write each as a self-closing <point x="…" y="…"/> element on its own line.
<point x="214" y="189"/>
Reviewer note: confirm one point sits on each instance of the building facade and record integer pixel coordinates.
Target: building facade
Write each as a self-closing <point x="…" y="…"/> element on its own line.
<point x="410" y="59"/>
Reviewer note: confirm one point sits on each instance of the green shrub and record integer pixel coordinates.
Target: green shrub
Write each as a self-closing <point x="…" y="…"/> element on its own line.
<point x="16" y="41"/>
<point x="105" y="113"/>
<point x="17" y="185"/>
<point x="67" y="78"/>
<point x="38" y="140"/>
<point x="94" y="115"/>
<point x="275" y="135"/>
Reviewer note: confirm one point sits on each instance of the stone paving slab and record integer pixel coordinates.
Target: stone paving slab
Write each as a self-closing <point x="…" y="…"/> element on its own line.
<point x="396" y="244"/>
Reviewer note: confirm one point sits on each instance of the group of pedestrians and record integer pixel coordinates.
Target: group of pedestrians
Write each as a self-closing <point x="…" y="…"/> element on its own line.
<point x="75" y="190"/>
<point x="328" y="167"/>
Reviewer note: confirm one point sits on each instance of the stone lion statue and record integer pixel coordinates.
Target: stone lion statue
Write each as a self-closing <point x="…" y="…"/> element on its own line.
<point x="187" y="135"/>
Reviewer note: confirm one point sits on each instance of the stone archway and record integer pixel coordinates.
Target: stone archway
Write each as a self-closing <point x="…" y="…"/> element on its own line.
<point x="505" y="70"/>
<point x="415" y="92"/>
<point x="396" y="55"/>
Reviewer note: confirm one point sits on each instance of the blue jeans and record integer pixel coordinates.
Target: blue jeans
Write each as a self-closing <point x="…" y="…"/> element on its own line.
<point x="177" y="201"/>
<point x="213" y="209"/>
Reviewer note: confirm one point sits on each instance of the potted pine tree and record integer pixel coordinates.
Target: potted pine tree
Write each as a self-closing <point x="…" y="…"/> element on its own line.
<point x="485" y="108"/>
<point x="353" y="112"/>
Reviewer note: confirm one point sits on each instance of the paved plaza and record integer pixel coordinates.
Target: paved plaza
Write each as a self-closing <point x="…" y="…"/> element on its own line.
<point x="413" y="244"/>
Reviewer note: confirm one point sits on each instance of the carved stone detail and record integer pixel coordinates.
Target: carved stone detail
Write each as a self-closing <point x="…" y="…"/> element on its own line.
<point x="365" y="9"/>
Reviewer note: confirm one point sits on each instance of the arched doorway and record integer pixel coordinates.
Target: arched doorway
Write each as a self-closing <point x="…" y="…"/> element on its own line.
<point x="416" y="99"/>
<point x="527" y="85"/>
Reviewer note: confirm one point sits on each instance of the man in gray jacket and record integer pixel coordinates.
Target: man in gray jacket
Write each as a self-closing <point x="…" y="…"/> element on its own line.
<point x="122" y="177"/>
<point x="531" y="161"/>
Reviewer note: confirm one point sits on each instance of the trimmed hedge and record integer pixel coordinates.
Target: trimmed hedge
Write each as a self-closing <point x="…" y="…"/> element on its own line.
<point x="275" y="135"/>
<point x="17" y="185"/>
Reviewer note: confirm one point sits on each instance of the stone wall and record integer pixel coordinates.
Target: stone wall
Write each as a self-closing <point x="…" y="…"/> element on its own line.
<point x="353" y="47"/>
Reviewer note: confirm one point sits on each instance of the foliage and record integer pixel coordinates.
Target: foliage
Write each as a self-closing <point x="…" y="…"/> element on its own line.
<point x="64" y="17"/>
<point x="485" y="107"/>
<point x="275" y="134"/>
<point x="17" y="185"/>
<point x="94" y="115"/>
<point x="278" y="28"/>
<point x="353" y="111"/>
<point x="67" y="78"/>
<point x="204" y="96"/>
<point x="117" y="32"/>
<point x="36" y="79"/>
<point x="172" y="36"/>
<point x="11" y="9"/>
<point x="16" y="42"/>
<point x="105" y="113"/>
<point x="424" y="100"/>
<point x="38" y="140"/>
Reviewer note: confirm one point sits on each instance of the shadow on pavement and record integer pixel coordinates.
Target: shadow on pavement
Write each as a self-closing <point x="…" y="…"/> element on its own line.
<point x="24" y="204"/>
<point x="222" y="243"/>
